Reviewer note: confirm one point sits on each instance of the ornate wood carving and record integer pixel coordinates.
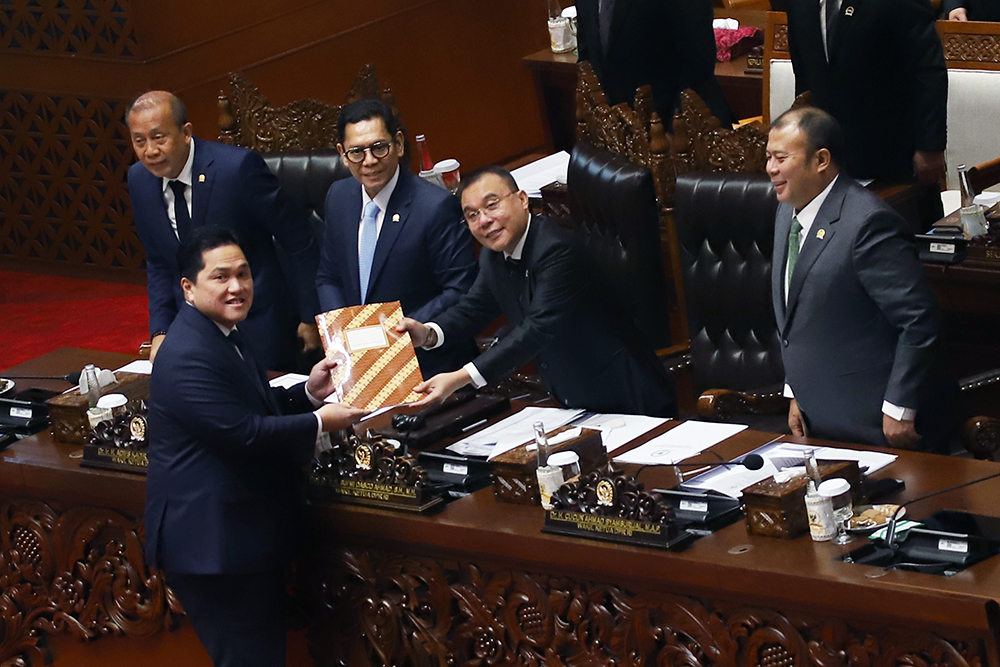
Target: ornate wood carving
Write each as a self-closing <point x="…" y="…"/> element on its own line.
<point x="71" y="27"/>
<point x="80" y="572"/>
<point x="246" y="117"/>
<point x="384" y="609"/>
<point x="971" y="48"/>
<point x="63" y="177"/>
<point x="698" y="142"/>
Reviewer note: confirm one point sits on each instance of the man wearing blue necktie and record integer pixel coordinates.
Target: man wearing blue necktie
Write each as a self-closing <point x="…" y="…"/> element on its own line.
<point x="392" y="236"/>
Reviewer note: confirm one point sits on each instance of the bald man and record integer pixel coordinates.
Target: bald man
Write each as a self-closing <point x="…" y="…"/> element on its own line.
<point x="181" y="182"/>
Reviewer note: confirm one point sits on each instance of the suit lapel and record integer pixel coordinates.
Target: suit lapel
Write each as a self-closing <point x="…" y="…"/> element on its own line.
<point x="352" y="225"/>
<point x="820" y="235"/>
<point x="781" y="228"/>
<point x="166" y="238"/>
<point x="201" y="182"/>
<point x="617" y="16"/>
<point x="392" y="224"/>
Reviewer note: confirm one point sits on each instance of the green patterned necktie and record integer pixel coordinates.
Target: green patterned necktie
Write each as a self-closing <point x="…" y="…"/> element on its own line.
<point x="793" y="245"/>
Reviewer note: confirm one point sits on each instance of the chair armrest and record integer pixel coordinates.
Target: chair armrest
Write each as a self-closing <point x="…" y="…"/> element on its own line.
<point x="982" y="436"/>
<point x="722" y="403"/>
<point x="675" y="357"/>
<point x="980" y="380"/>
<point x="145" y="349"/>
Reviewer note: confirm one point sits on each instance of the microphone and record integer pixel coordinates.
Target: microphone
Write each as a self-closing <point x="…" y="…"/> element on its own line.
<point x="890" y="531"/>
<point x="750" y="462"/>
<point x="72" y="378"/>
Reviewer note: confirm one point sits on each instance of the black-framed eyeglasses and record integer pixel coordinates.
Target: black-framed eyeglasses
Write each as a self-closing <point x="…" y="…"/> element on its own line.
<point x="473" y="215"/>
<point x="378" y="150"/>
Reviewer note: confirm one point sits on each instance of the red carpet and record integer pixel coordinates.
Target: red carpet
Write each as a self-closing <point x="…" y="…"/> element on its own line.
<point x="40" y="313"/>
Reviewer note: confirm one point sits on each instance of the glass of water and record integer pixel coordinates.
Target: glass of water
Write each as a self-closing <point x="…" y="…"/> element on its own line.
<point x="839" y="492"/>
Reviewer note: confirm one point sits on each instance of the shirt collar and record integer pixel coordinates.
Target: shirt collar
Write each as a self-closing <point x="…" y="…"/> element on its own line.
<point x="809" y="212"/>
<point x="519" y="248"/>
<point x="384" y="195"/>
<point x="185" y="175"/>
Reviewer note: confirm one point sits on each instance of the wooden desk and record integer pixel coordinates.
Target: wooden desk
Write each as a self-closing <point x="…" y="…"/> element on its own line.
<point x="555" y="79"/>
<point x="479" y="584"/>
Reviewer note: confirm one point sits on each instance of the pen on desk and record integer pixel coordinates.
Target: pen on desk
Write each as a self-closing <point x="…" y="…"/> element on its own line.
<point x="472" y="426"/>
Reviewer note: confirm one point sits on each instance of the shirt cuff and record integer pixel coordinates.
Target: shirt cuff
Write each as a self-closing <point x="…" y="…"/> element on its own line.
<point x="440" y="337"/>
<point x="787" y="393"/>
<point x="477" y="378"/>
<point x="319" y="429"/>
<point x="898" y="413"/>
<point x="316" y="403"/>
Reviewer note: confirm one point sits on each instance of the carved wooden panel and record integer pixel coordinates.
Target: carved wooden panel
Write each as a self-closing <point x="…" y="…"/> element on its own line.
<point x="698" y="141"/>
<point x="246" y="117"/>
<point x="385" y="609"/>
<point x="965" y="48"/>
<point x="84" y="27"/>
<point x="63" y="165"/>
<point x="80" y="572"/>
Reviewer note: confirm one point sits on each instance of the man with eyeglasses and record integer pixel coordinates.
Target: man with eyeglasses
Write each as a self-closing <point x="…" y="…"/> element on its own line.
<point x="390" y="235"/>
<point x="561" y="311"/>
<point x="181" y="183"/>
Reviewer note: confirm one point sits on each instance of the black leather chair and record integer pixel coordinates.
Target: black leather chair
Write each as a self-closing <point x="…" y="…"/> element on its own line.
<point x="613" y="204"/>
<point x="725" y="233"/>
<point x="305" y="176"/>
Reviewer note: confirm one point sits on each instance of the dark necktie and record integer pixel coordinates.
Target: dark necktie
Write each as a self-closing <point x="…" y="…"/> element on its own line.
<point x="794" y="243"/>
<point x="832" y="11"/>
<point x="604" y="11"/>
<point x="237" y="338"/>
<point x="181" y="210"/>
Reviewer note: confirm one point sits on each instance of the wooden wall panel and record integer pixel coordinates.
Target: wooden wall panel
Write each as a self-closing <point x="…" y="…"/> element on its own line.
<point x="455" y="67"/>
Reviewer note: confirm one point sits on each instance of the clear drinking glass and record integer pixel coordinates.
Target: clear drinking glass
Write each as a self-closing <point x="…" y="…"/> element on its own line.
<point x="839" y="493"/>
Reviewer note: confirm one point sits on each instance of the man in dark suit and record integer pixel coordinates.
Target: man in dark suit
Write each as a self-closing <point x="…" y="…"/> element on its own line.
<point x="666" y="44"/>
<point x="392" y="236"/>
<point x="223" y="454"/>
<point x="856" y="315"/>
<point x="551" y="291"/>
<point x="884" y="80"/>
<point x="971" y="10"/>
<point x="231" y="187"/>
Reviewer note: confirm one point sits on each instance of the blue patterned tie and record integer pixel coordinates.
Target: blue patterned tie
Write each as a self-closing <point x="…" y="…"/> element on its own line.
<point x="366" y="249"/>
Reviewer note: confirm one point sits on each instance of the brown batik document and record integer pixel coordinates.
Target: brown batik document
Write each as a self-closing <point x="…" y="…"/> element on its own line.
<point x="378" y="367"/>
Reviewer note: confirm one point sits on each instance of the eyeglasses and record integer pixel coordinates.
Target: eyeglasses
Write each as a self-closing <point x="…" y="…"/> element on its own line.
<point x="378" y="150"/>
<point x="492" y="206"/>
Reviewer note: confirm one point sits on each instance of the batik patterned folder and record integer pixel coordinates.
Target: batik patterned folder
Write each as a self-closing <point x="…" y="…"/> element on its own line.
<point x="378" y="366"/>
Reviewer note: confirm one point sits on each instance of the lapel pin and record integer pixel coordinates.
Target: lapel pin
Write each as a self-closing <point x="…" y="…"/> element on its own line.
<point x="849" y="11"/>
<point x="201" y="178"/>
<point x="395" y="217"/>
<point x="821" y="234"/>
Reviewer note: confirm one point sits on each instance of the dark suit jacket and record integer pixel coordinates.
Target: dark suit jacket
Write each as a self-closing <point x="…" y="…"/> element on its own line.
<point x="667" y="44"/>
<point x="861" y="325"/>
<point x="222" y="456"/>
<point x="886" y="82"/>
<point x="423" y="259"/>
<point x="978" y="10"/>
<point x="586" y="350"/>
<point x="239" y="192"/>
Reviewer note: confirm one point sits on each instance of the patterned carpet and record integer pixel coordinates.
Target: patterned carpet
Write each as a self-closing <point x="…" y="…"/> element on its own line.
<point x="40" y="313"/>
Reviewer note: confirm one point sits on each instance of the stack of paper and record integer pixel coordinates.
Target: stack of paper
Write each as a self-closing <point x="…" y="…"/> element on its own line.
<point x="679" y="443"/>
<point x="513" y="431"/>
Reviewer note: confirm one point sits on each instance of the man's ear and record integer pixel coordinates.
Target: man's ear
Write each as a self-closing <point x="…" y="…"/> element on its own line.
<point x="823" y="159"/>
<point x="187" y="287"/>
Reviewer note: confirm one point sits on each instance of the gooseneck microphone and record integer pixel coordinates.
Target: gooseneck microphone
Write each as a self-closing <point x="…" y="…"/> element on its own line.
<point x="72" y="378"/>
<point x="890" y="531"/>
<point x="750" y="462"/>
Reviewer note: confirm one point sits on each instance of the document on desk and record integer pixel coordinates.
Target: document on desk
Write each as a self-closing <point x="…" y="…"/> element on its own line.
<point x="515" y="430"/>
<point x="288" y="380"/>
<point x="679" y="443"/>
<point x="140" y="366"/>
<point x="533" y="176"/>
<point x="777" y="456"/>
<point x="616" y="430"/>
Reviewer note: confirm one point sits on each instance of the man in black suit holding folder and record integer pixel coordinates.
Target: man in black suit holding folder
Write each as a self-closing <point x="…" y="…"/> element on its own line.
<point x="562" y="316"/>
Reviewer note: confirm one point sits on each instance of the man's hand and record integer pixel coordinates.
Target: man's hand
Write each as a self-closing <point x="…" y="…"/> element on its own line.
<point x="958" y="14"/>
<point x="929" y="166"/>
<point x="900" y="434"/>
<point x="322" y="379"/>
<point x="441" y="386"/>
<point x="795" y="420"/>
<point x="420" y="333"/>
<point x="309" y="335"/>
<point x="154" y="346"/>
<point x="337" y="416"/>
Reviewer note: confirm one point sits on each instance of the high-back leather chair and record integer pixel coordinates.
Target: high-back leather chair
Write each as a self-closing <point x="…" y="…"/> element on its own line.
<point x="305" y="176"/>
<point x="613" y="203"/>
<point x="725" y="230"/>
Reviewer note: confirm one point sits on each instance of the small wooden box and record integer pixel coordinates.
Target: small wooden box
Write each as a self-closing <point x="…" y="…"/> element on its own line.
<point x="779" y="509"/>
<point x="514" y="479"/>
<point x="68" y="412"/>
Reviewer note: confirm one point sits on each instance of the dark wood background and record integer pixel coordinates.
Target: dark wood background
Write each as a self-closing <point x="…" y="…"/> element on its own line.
<point x="68" y="69"/>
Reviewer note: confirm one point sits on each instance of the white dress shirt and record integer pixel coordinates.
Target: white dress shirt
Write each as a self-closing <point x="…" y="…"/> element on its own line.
<point x="168" y="194"/>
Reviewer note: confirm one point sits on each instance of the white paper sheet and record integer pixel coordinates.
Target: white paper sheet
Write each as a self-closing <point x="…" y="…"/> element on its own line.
<point x="288" y="380"/>
<point x="513" y="431"/>
<point x="680" y="442"/>
<point x="616" y="430"/>
<point x="141" y="366"/>
<point x="779" y="455"/>
<point x="534" y="175"/>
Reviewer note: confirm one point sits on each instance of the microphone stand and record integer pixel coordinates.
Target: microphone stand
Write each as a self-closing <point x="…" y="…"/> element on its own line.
<point x="890" y="531"/>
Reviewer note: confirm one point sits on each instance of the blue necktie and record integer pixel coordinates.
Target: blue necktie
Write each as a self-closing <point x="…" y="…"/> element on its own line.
<point x="366" y="249"/>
